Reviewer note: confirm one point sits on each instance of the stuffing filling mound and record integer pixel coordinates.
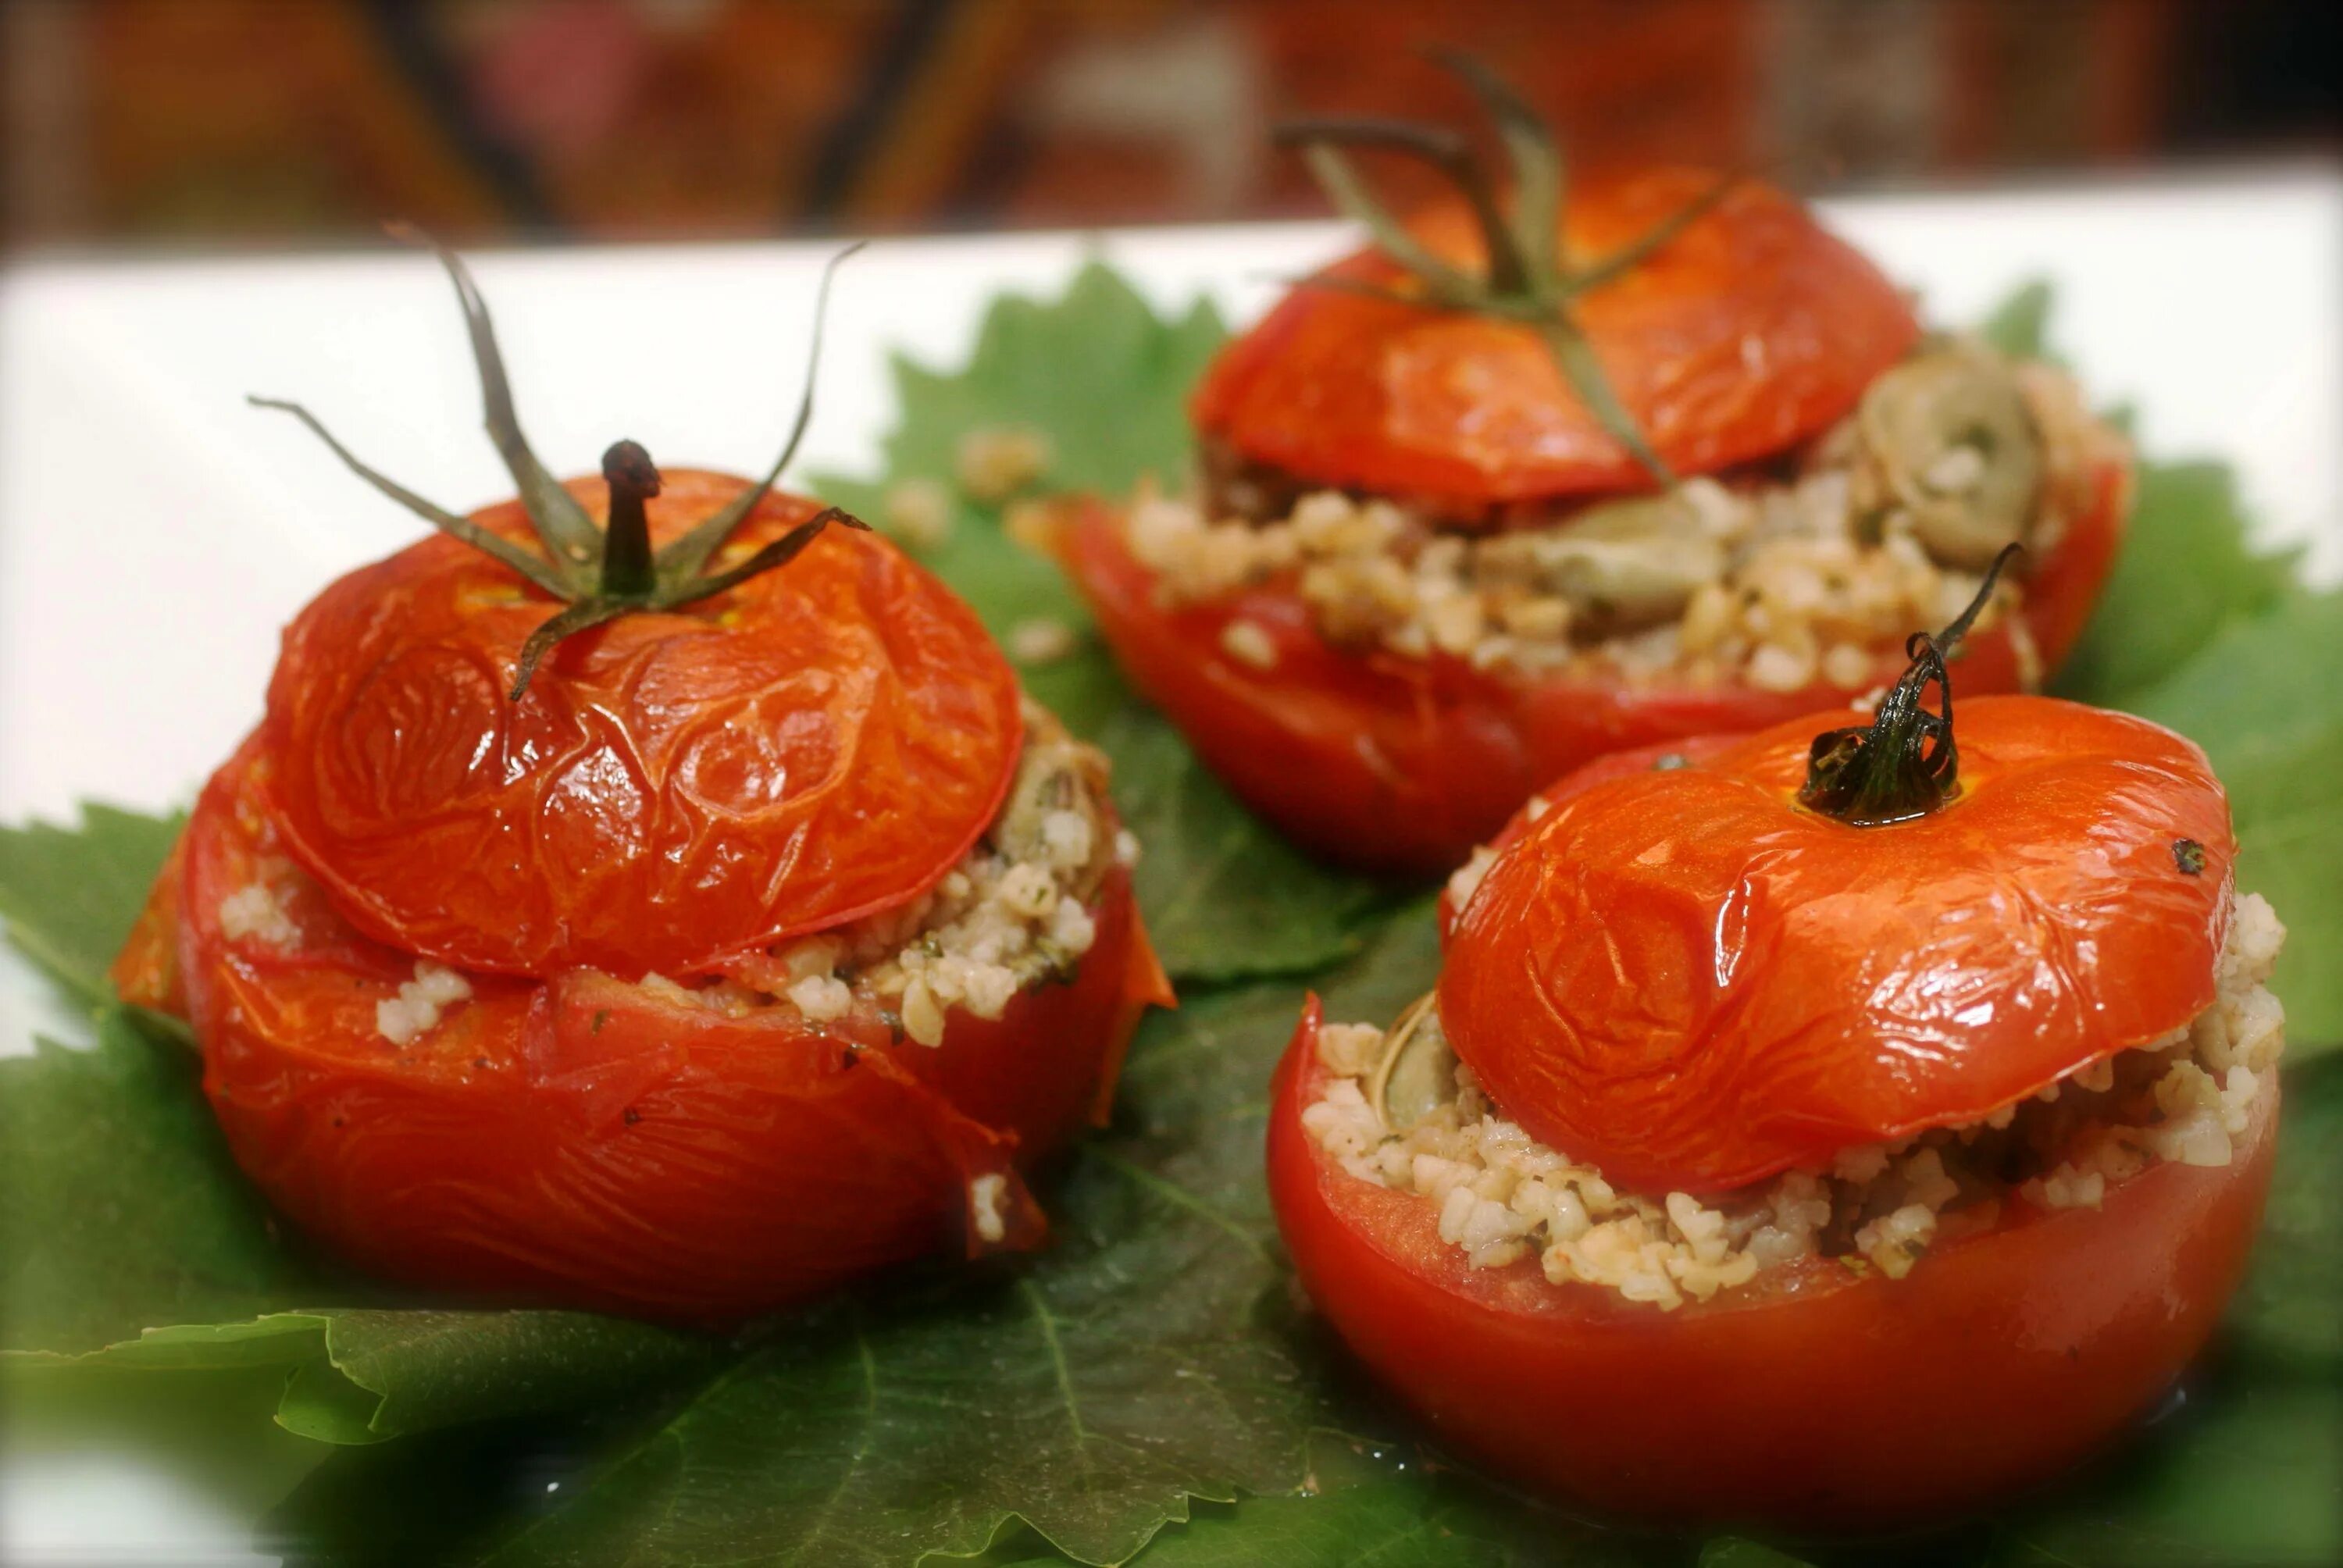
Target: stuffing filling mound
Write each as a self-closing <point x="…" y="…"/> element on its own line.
<point x="1017" y="910"/>
<point x="1776" y="576"/>
<point x="1503" y="1198"/>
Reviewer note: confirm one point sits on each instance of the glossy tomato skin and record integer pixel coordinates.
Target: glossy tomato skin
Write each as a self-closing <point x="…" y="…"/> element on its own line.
<point x="820" y="743"/>
<point x="1749" y="331"/>
<point x="1394" y="764"/>
<point x="582" y="1142"/>
<point x="1822" y="1401"/>
<point x="1661" y="943"/>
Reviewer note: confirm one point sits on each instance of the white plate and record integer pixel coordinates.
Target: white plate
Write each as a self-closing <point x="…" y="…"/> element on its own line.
<point x="155" y="532"/>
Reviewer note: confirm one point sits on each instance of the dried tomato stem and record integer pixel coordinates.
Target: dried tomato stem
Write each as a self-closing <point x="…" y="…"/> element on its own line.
<point x="1904" y="763"/>
<point x="597" y="574"/>
<point x="627" y="571"/>
<point x="1526" y="278"/>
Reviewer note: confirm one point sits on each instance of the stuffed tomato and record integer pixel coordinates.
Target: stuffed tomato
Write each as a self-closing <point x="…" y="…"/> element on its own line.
<point x="1825" y="1127"/>
<point x="1506" y="493"/>
<point x="644" y="895"/>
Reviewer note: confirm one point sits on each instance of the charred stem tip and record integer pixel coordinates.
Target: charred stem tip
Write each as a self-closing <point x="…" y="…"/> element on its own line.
<point x="629" y="469"/>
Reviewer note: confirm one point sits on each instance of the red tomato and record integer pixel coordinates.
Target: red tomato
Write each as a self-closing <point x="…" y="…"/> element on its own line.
<point x="819" y="743"/>
<point x="1813" y="1397"/>
<point x="1836" y="986"/>
<point x="580" y="1139"/>
<point x="1749" y="331"/>
<point x="1404" y="764"/>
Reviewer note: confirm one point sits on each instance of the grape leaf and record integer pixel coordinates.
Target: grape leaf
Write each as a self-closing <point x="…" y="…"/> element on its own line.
<point x="130" y="1241"/>
<point x="2019" y="326"/>
<point x="2251" y="1480"/>
<point x="68" y="894"/>
<point x="363" y="1375"/>
<point x="1146" y="1359"/>
<point x="124" y="1209"/>
<point x="1224" y="898"/>
<point x="2289" y="1315"/>
<point x="2255" y="699"/>
<point x="1396" y="1509"/>
<point x="2186" y="571"/>
<point x="1736" y="1552"/>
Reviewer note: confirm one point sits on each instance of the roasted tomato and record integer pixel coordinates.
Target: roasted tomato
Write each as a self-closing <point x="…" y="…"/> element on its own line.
<point x="1510" y="491"/>
<point x="684" y="951"/>
<point x="1832" y="1129"/>
<point x="1749" y="331"/>
<point x="1816" y="1396"/>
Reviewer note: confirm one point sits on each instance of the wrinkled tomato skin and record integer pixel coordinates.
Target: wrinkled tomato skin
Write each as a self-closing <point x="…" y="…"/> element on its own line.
<point x="1402" y="765"/>
<point x="819" y="743"/>
<point x="582" y="1142"/>
<point x="1824" y="1401"/>
<point x="1662" y="942"/>
<point x="1749" y="331"/>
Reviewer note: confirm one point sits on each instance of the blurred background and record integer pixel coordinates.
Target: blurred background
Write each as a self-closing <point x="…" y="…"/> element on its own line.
<point x="306" y="122"/>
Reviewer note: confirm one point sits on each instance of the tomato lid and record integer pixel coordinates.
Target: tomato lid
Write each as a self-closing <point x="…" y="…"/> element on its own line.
<point x="810" y="747"/>
<point x="1698" y="975"/>
<point x="542" y="740"/>
<point x="1668" y="322"/>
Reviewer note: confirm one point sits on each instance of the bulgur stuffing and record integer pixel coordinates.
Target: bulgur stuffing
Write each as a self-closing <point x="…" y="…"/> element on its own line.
<point x="1504" y="1198"/>
<point x="1249" y="642"/>
<point x="994" y="462"/>
<point x="917" y="513"/>
<point x="1015" y="910"/>
<point x="257" y="913"/>
<point x="1040" y="640"/>
<point x="984" y="1196"/>
<point x="1774" y="578"/>
<point x="420" y="1002"/>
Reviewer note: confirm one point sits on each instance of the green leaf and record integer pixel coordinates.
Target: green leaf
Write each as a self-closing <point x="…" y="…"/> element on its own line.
<point x="2252" y="1480"/>
<point x="124" y="1209"/>
<point x="1737" y="1552"/>
<point x="1393" y="1508"/>
<point x="2186" y="571"/>
<point x="70" y="895"/>
<point x="362" y="1374"/>
<point x="2019" y="326"/>
<point x="2255" y="699"/>
<point x="1224" y="897"/>
<point x="1147" y="1359"/>
<point x="1411" y="1521"/>
<point x="126" y="1213"/>
<point x="2289" y="1316"/>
